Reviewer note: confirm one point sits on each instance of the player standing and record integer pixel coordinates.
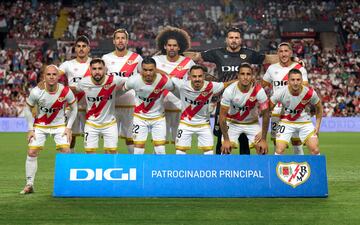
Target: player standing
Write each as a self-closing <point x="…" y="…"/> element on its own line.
<point x="239" y="114"/>
<point x="195" y="95"/>
<point x="100" y="91"/>
<point x="172" y="42"/>
<point x="124" y="63"/>
<point x="293" y="119"/>
<point x="149" y="109"/>
<point x="277" y="77"/>
<point x="50" y="120"/>
<point x="75" y="70"/>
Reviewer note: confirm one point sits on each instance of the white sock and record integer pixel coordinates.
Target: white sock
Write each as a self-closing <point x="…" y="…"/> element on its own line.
<point x="72" y="150"/>
<point x="139" y="151"/>
<point x="277" y="153"/>
<point x="298" y="149"/>
<point x="211" y="152"/>
<point x="179" y="152"/>
<point x="160" y="150"/>
<point x="30" y="169"/>
<point x="130" y="149"/>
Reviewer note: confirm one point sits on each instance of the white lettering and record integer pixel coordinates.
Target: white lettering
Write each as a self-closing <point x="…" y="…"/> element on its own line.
<point x="99" y="174"/>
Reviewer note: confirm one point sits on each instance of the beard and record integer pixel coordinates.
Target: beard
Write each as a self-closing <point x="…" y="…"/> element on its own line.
<point x="121" y="48"/>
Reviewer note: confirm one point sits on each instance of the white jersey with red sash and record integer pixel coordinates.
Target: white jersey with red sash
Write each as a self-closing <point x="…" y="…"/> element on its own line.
<point x="195" y="104"/>
<point x="293" y="107"/>
<point x="75" y="71"/>
<point x="50" y="106"/>
<point x="149" y="97"/>
<point x="178" y="69"/>
<point x="242" y="106"/>
<point x="277" y="76"/>
<point x="100" y="98"/>
<point x="124" y="66"/>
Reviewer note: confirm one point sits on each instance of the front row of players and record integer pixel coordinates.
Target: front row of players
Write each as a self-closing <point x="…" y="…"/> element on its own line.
<point x="238" y="114"/>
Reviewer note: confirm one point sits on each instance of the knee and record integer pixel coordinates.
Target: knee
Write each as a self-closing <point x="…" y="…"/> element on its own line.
<point x="33" y="153"/>
<point x="139" y="145"/>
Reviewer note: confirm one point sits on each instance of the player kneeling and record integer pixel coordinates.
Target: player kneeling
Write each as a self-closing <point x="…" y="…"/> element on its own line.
<point x="149" y="106"/>
<point x="294" y="119"/>
<point x="238" y="112"/>
<point x="50" y="120"/>
<point x="195" y="95"/>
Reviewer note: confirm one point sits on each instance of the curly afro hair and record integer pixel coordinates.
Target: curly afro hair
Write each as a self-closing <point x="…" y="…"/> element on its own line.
<point x="180" y="35"/>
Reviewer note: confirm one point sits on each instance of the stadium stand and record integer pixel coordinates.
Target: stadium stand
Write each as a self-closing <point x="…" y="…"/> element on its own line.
<point x="334" y="69"/>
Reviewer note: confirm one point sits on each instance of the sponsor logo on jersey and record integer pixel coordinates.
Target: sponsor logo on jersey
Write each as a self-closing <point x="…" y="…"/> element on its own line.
<point x="293" y="173"/>
<point x="243" y="56"/>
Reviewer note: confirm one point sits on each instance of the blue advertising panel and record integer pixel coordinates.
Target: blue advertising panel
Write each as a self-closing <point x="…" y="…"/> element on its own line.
<point x="101" y="175"/>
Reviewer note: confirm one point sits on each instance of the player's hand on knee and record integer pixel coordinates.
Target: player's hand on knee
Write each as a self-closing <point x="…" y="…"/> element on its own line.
<point x="258" y="137"/>
<point x="226" y="147"/>
<point x="262" y="148"/>
<point x="31" y="135"/>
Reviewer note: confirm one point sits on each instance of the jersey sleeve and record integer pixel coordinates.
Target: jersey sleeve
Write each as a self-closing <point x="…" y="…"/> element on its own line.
<point x="314" y="98"/>
<point x="178" y="83"/>
<point x="120" y="81"/>
<point x="261" y="96"/>
<point x="130" y="82"/>
<point x="169" y="85"/>
<point x="209" y="55"/>
<point x="70" y="97"/>
<point x="267" y="76"/>
<point x="275" y="98"/>
<point x="32" y="99"/>
<point x="63" y="67"/>
<point x="79" y="86"/>
<point x="225" y="100"/>
<point x="218" y="87"/>
<point x="139" y="60"/>
<point x="304" y="74"/>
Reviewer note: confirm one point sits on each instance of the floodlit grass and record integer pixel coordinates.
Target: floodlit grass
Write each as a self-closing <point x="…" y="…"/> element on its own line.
<point x="341" y="207"/>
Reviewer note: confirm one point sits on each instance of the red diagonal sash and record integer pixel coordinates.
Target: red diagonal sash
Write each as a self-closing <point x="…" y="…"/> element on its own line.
<point x="178" y="71"/>
<point x="58" y="104"/>
<point x="105" y="92"/>
<point x="155" y="94"/>
<point x="250" y="103"/>
<point x="202" y="98"/>
<point x="80" y="95"/>
<point x="297" y="66"/>
<point x="300" y="106"/>
<point x="129" y="65"/>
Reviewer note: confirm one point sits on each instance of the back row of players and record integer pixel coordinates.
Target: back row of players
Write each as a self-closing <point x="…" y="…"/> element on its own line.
<point x="127" y="96"/>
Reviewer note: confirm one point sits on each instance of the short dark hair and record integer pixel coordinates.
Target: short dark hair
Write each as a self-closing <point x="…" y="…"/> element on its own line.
<point x="294" y="71"/>
<point x="233" y="29"/>
<point x="197" y="67"/>
<point x="245" y="65"/>
<point x="82" y="38"/>
<point x="97" y="60"/>
<point x="148" y="60"/>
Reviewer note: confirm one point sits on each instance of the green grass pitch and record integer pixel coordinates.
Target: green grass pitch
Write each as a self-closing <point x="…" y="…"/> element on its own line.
<point x="341" y="207"/>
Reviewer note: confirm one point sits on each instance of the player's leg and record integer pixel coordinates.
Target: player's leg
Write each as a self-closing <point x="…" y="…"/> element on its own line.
<point x="244" y="145"/>
<point x="183" y="139"/>
<point x="125" y="129"/>
<point x="110" y="135"/>
<point x="172" y="117"/>
<point x="61" y="141"/>
<point x="140" y="132"/>
<point x="205" y="140"/>
<point x="158" y="132"/>
<point x="234" y="131"/>
<point x="283" y="136"/>
<point x="251" y="131"/>
<point x="297" y="145"/>
<point x="217" y="130"/>
<point x="274" y="126"/>
<point x="36" y="144"/>
<point x="307" y="135"/>
<point x="91" y="139"/>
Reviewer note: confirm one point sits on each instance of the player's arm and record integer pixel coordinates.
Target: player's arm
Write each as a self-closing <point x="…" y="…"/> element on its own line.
<point x="226" y="145"/>
<point x="30" y="121"/>
<point x="264" y="83"/>
<point x="265" y="114"/>
<point x="271" y="59"/>
<point x="318" y="114"/>
<point x="226" y="84"/>
<point x="272" y="103"/>
<point x="195" y="56"/>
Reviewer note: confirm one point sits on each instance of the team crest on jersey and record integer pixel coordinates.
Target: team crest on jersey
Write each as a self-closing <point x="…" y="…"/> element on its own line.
<point x="243" y="56"/>
<point x="61" y="99"/>
<point x="130" y="62"/>
<point x="293" y="173"/>
<point x="204" y="93"/>
<point x="107" y="86"/>
<point x="304" y="102"/>
<point x="157" y="90"/>
<point x="179" y="67"/>
<point x="252" y="98"/>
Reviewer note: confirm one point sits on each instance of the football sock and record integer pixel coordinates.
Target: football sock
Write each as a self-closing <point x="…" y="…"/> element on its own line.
<point x="159" y="150"/>
<point x="130" y="149"/>
<point x="30" y="169"/>
<point x="179" y="152"/>
<point x="298" y="149"/>
<point x="211" y="152"/>
<point x="139" y="151"/>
